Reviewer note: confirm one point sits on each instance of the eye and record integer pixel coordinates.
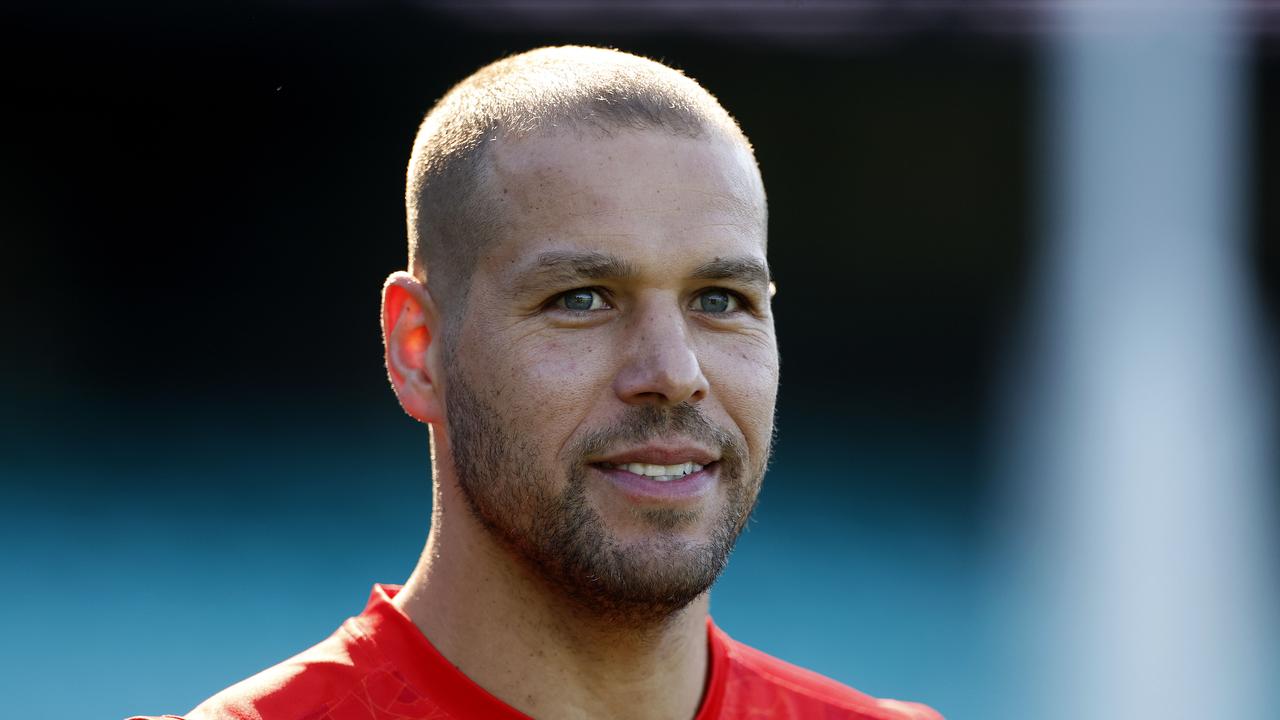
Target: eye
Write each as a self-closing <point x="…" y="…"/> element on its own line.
<point x="582" y="300"/>
<point x="716" y="302"/>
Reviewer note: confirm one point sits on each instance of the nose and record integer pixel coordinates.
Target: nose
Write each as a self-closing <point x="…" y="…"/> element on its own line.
<point x="661" y="365"/>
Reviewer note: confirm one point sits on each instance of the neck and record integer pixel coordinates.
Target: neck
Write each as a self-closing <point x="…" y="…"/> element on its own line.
<point x="516" y="637"/>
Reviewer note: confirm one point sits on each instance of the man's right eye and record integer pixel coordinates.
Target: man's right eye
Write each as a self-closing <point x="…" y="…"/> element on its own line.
<point x="582" y="300"/>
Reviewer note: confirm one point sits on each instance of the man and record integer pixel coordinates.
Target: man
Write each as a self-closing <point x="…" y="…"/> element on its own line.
<point x="586" y="331"/>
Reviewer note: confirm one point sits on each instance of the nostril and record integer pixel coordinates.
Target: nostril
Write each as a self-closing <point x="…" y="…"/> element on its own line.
<point x="652" y="397"/>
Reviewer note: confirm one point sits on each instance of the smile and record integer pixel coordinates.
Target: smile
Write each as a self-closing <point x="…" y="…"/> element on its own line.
<point x="649" y="483"/>
<point x="660" y="473"/>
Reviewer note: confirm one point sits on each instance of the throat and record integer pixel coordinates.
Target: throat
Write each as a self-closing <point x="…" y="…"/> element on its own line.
<point x="545" y="658"/>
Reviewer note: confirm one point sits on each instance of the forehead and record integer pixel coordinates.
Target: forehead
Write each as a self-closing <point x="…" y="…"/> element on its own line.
<point x="636" y="193"/>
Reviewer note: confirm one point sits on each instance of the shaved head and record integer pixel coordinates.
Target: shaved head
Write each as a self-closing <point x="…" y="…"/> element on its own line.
<point x="451" y="207"/>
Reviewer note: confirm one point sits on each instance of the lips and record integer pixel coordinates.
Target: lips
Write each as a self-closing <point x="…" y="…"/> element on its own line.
<point x="661" y="473"/>
<point x="658" y="454"/>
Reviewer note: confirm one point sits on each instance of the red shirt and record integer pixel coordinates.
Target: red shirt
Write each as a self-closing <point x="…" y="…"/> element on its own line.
<point x="379" y="666"/>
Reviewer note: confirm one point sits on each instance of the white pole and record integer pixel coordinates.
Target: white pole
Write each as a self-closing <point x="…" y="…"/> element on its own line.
<point x="1141" y="495"/>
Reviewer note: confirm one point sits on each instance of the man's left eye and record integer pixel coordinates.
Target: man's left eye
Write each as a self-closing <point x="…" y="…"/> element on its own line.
<point x="716" y="301"/>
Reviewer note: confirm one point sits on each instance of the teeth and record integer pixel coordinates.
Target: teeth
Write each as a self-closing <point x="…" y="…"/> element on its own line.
<point x="661" y="473"/>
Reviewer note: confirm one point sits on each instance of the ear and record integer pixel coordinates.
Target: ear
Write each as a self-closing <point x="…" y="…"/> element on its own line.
<point x="410" y="324"/>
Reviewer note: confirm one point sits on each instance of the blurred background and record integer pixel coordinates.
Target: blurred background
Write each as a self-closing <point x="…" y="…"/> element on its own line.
<point x="1028" y="271"/>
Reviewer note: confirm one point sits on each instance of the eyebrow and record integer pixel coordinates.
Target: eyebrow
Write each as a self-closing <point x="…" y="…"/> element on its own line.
<point x="568" y="267"/>
<point x="746" y="270"/>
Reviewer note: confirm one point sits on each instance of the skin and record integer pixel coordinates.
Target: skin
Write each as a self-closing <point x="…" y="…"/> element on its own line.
<point x="666" y="208"/>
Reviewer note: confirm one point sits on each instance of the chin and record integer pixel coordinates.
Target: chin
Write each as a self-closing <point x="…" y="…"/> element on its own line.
<point x="647" y="582"/>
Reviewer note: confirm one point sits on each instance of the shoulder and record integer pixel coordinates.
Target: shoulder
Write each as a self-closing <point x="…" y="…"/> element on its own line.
<point x="763" y="685"/>
<point x="308" y="685"/>
<point x="376" y="666"/>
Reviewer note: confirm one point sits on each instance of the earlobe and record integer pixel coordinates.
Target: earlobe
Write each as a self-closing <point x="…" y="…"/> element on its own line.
<point x="408" y="332"/>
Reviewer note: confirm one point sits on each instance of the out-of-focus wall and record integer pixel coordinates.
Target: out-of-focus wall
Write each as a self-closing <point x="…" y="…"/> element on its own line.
<point x="201" y="467"/>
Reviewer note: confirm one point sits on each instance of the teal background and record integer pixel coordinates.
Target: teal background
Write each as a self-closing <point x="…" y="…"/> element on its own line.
<point x="145" y="581"/>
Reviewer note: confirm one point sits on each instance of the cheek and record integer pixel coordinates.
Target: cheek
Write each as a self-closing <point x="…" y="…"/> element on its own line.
<point x="744" y="376"/>
<point x="554" y="379"/>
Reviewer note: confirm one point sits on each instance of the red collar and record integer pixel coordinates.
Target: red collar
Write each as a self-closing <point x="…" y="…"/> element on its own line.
<point x="399" y="640"/>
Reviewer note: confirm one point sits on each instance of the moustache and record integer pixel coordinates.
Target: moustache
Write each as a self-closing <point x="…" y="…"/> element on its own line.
<point x="643" y="423"/>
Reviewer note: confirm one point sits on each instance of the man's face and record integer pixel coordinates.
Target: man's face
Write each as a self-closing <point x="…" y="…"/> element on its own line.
<point x="610" y="386"/>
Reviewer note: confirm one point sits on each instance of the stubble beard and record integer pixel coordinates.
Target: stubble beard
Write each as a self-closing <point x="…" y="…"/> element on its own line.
<point x="563" y="539"/>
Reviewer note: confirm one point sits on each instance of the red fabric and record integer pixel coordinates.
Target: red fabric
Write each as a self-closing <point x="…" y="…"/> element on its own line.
<point x="379" y="666"/>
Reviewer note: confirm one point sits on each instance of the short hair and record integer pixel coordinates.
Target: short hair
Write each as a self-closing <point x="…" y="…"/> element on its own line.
<point x="449" y="210"/>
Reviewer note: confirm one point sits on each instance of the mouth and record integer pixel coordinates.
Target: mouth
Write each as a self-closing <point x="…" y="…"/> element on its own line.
<point x="657" y="473"/>
<point x="649" y="483"/>
<point x="661" y="472"/>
